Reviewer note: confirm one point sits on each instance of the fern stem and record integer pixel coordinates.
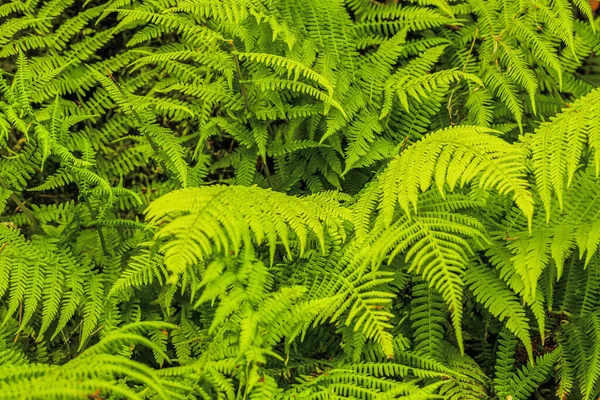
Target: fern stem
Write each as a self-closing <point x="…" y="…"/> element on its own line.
<point x="96" y="225"/>
<point x="66" y="341"/>
<point x="246" y="387"/>
<point x="93" y="215"/>
<point x="238" y="71"/>
<point x="67" y="338"/>
<point x="26" y="211"/>
<point x="97" y="330"/>
<point x="265" y="169"/>
<point x="463" y="70"/>
<point x="20" y="321"/>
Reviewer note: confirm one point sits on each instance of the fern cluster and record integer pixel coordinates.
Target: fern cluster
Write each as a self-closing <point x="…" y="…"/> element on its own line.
<point x="299" y="199"/>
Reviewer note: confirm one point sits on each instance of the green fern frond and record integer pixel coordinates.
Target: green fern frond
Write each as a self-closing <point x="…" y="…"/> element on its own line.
<point x="194" y="217"/>
<point x="490" y="291"/>
<point x="452" y="157"/>
<point x="428" y="320"/>
<point x="557" y="148"/>
<point x="94" y="371"/>
<point x="436" y="242"/>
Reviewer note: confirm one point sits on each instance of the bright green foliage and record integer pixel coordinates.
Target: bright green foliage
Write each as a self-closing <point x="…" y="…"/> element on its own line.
<point x="299" y="199"/>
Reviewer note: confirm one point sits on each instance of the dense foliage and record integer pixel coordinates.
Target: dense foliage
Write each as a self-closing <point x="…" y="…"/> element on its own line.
<point x="299" y="199"/>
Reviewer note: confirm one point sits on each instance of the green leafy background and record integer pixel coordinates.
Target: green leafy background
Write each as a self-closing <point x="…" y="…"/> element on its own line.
<point x="299" y="199"/>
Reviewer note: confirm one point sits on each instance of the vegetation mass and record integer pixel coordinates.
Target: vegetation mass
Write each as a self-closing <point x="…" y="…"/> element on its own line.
<point x="299" y="199"/>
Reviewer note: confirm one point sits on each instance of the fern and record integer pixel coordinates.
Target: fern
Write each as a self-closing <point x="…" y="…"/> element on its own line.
<point x="280" y="215"/>
<point x="454" y="157"/>
<point x="556" y="153"/>
<point x="299" y="199"/>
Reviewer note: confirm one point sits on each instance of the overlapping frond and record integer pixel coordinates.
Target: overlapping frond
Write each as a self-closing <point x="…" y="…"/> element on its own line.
<point x="558" y="146"/>
<point x="451" y="158"/>
<point x="96" y="371"/>
<point x="437" y="242"/>
<point x="222" y="219"/>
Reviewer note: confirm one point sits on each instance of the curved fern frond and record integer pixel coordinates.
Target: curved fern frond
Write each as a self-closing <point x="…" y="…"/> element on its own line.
<point x="437" y="243"/>
<point x="492" y="292"/>
<point x="96" y="371"/>
<point x="225" y="218"/>
<point x="558" y="146"/>
<point x="454" y="157"/>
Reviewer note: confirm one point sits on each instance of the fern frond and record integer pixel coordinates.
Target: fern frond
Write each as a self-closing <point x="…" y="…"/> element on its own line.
<point x="437" y="245"/>
<point x="490" y="291"/>
<point x="451" y="157"/>
<point x="428" y="319"/>
<point x="224" y="218"/>
<point x="557" y="148"/>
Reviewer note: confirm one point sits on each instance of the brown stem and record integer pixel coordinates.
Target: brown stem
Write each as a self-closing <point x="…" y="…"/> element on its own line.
<point x="26" y="210"/>
<point x="97" y="225"/>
